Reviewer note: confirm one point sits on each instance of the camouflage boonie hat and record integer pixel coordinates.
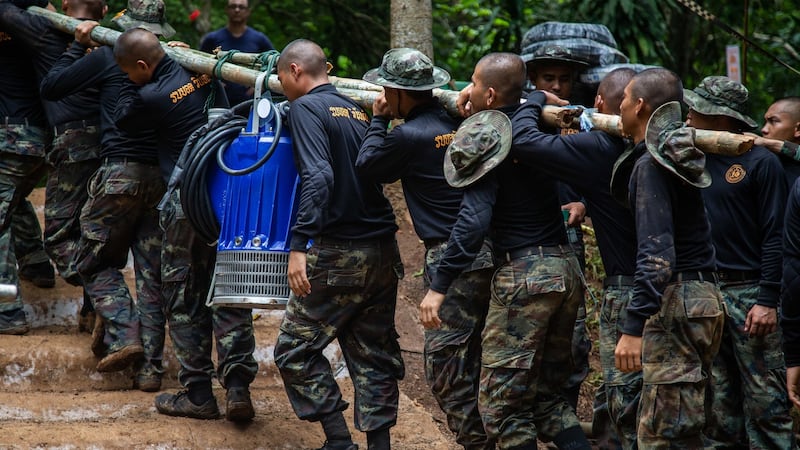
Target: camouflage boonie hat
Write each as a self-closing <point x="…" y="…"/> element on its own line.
<point x="672" y="145"/>
<point x="480" y="144"/>
<point x="147" y="14"/>
<point x="720" y="96"/>
<point x="407" y="68"/>
<point x="552" y="54"/>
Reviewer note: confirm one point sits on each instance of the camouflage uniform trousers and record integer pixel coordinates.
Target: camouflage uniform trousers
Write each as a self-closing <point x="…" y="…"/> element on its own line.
<point x="27" y="234"/>
<point x="453" y="352"/>
<point x="353" y="298"/>
<point x="751" y="405"/>
<point x="21" y="166"/>
<point x="622" y="390"/>
<point x="73" y="160"/>
<point x="120" y="215"/>
<point x="679" y="344"/>
<point x="527" y="344"/>
<point x="187" y="264"/>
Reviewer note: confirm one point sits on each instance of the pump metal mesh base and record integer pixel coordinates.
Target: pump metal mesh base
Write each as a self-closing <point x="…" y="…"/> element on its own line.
<point x="251" y="279"/>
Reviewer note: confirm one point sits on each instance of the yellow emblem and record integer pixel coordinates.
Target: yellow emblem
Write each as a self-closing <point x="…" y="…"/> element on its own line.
<point x="735" y="174"/>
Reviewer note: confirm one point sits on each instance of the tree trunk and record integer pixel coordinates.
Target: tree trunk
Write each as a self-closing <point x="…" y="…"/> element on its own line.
<point x="411" y="25"/>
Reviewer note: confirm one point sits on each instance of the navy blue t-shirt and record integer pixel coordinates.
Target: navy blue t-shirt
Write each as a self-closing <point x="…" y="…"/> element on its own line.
<point x="251" y="41"/>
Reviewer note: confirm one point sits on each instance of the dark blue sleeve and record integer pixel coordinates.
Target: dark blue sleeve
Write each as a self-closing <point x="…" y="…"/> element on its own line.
<point x="655" y="256"/>
<point x="131" y="113"/>
<point x="313" y="159"/>
<point x="74" y="71"/>
<point x="469" y="231"/>
<point x="772" y="200"/>
<point x="790" y="293"/>
<point x="383" y="156"/>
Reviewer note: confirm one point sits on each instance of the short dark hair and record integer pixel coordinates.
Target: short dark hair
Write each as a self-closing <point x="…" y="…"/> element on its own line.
<point x="137" y="44"/>
<point x="306" y="54"/>
<point x="611" y="87"/>
<point x="792" y="106"/>
<point x="505" y="73"/>
<point x="656" y="87"/>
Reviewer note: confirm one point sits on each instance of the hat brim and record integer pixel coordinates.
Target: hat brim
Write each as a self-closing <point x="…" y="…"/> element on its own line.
<point x="503" y="124"/>
<point x="533" y="62"/>
<point x="125" y="22"/>
<point x="703" y="106"/>
<point x="663" y="118"/>
<point x="440" y="78"/>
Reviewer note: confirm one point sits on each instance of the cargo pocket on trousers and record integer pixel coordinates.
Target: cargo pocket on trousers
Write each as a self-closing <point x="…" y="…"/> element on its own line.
<point x="346" y="278"/>
<point x="545" y="284"/>
<point x="670" y="392"/>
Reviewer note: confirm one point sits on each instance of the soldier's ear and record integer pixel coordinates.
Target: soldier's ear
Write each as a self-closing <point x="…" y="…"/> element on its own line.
<point x="797" y="130"/>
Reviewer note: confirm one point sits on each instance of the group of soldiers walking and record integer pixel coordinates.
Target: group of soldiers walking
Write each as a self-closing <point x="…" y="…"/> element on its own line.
<point x="698" y="249"/>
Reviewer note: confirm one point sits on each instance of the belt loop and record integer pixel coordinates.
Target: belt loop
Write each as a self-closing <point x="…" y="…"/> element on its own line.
<point x="6" y="121"/>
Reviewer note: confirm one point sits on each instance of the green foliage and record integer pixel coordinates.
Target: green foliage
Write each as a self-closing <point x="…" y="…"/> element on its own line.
<point x="355" y="33"/>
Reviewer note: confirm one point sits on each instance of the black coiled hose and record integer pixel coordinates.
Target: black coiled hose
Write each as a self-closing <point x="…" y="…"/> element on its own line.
<point x="191" y="172"/>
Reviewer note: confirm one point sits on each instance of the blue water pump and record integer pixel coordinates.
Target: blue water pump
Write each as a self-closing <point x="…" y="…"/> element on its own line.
<point x="253" y="188"/>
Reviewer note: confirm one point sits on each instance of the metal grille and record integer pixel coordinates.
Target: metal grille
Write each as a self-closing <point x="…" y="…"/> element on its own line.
<point x="251" y="279"/>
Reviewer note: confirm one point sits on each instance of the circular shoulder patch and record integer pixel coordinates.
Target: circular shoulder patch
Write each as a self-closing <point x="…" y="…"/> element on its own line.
<point x="735" y="173"/>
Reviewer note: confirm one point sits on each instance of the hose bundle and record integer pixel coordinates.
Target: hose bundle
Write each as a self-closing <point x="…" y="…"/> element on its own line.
<point x="191" y="170"/>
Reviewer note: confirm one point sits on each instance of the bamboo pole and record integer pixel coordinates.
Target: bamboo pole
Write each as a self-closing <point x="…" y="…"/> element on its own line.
<point x="708" y="141"/>
<point x="365" y="93"/>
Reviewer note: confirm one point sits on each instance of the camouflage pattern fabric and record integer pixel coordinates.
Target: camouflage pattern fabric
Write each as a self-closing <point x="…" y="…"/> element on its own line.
<point x="622" y="390"/>
<point x="24" y="140"/>
<point x="527" y="344"/>
<point x="27" y="235"/>
<point x="120" y="215"/>
<point x="720" y="96"/>
<point x="73" y="160"/>
<point x="187" y="264"/>
<point x="678" y="347"/>
<point x="353" y="298"/>
<point x="407" y="68"/>
<point x="21" y="167"/>
<point x="751" y="406"/>
<point x="453" y="352"/>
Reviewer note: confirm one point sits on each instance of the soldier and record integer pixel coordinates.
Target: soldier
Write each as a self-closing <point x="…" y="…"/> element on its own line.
<point x="186" y="261"/>
<point x="674" y="319"/>
<point x="76" y="142"/>
<point x="23" y="137"/>
<point x="414" y="152"/>
<point x="781" y="134"/>
<point x="790" y="295"/>
<point x="121" y="213"/>
<point x="75" y="121"/>
<point x="345" y="285"/>
<point x="745" y="203"/>
<point x="586" y="161"/>
<point x="552" y="68"/>
<point x="536" y="288"/>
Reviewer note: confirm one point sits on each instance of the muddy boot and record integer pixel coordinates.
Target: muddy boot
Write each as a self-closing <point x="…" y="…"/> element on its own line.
<point x="379" y="439"/>
<point x="14" y="322"/>
<point x="99" y="347"/>
<point x="121" y="359"/>
<point x="183" y="403"/>
<point x="86" y="317"/>
<point x="40" y="274"/>
<point x="336" y="433"/>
